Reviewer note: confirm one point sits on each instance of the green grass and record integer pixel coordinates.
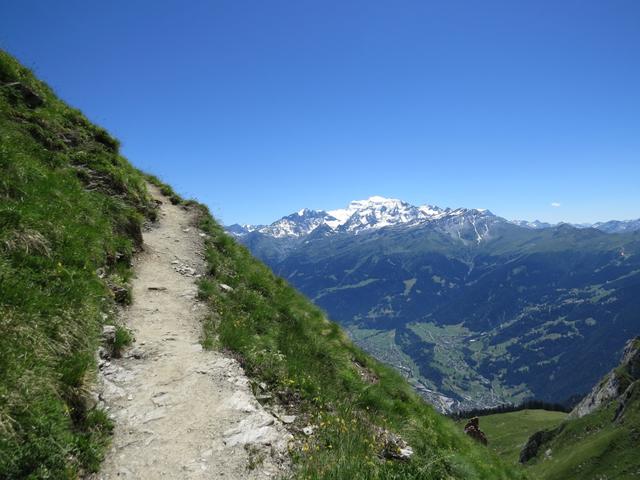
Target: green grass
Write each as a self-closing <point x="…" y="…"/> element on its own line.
<point x="508" y="432"/>
<point x="70" y="215"/>
<point x="123" y="338"/>
<point x="593" y="447"/>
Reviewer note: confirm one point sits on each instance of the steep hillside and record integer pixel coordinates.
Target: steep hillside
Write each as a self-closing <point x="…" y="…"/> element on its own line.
<point x="71" y="210"/>
<point x="600" y="437"/>
<point x="353" y="415"/>
<point x="70" y="214"/>
<point x="508" y="432"/>
<point x="473" y="309"/>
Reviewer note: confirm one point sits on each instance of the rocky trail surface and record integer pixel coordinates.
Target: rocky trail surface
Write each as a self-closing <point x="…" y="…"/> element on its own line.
<point x="180" y="411"/>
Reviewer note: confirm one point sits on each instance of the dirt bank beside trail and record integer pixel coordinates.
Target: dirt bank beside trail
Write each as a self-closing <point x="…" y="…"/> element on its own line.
<point x="181" y="412"/>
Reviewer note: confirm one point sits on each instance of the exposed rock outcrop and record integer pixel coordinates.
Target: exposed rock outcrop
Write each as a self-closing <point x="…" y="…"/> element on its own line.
<point x="630" y="397"/>
<point x="532" y="447"/>
<point x="614" y="384"/>
<point x="394" y="447"/>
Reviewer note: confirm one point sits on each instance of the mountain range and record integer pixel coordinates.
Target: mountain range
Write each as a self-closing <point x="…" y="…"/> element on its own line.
<point x="379" y="212"/>
<point x="474" y="309"/>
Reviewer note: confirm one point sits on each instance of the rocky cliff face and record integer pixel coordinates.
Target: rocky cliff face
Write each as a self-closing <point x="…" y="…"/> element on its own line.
<point x="615" y="383"/>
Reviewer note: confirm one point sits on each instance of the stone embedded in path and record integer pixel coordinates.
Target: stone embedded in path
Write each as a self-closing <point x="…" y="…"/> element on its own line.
<point x="109" y="333"/>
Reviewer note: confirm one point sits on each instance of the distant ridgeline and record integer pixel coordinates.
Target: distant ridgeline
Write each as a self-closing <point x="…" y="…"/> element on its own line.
<point x="506" y="408"/>
<point x="476" y="311"/>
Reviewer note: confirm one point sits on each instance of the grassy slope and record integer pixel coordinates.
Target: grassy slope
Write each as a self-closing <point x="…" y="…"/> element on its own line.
<point x="312" y="368"/>
<point x="69" y="205"/>
<point x="509" y="432"/>
<point x="594" y="447"/>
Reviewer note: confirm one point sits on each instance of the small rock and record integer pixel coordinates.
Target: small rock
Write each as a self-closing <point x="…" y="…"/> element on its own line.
<point x="207" y="453"/>
<point x="90" y="400"/>
<point x="30" y="96"/>
<point x="394" y="446"/>
<point x="226" y="287"/>
<point x="159" y="289"/>
<point x="136" y="353"/>
<point x="103" y="354"/>
<point x="309" y="429"/>
<point x="160" y="400"/>
<point x="120" y="294"/>
<point x="288" y="419"/>
<point x="109" y="333"/>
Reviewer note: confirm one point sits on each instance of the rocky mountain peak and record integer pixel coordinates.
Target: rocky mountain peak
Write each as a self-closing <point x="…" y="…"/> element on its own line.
<point x="360" y="215"/>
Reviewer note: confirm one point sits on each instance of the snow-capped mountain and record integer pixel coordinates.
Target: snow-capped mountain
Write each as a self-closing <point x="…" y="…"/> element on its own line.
<point x="361" y="215"/>
<point x="612" y="226"/>
<point x="535" y="225"/>
<point x="469" y="225"/>
<point x="379" y="212"/>
<point x="297" y="224"/>
<point x="618" y="226"/>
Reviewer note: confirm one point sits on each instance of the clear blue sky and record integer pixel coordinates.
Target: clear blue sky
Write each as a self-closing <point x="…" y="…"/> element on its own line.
<point x="259" y="108"/>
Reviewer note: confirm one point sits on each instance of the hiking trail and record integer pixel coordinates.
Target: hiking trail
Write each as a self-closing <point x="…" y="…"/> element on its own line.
<point x="180" y="411"/>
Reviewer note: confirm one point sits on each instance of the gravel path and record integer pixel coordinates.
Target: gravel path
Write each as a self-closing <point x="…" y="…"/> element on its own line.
<point x="181" y="412"/>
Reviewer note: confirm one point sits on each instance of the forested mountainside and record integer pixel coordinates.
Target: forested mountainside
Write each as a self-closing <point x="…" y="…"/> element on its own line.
<point x="473" y="309"/>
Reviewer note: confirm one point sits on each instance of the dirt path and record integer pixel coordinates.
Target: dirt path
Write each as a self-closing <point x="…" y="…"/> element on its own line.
<point x="181" y="412"/>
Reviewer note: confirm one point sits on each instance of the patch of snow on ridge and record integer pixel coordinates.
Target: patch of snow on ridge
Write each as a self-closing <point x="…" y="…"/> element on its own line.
<point x="378" y="212"/>
<point x="430" y="211"/>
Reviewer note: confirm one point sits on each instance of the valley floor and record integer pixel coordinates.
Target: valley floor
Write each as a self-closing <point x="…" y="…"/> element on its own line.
<point x="180" y="411"/>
